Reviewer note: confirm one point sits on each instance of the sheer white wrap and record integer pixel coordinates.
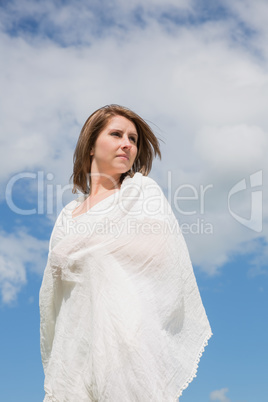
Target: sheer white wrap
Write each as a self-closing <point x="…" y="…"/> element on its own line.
<point x="121" y="314"/>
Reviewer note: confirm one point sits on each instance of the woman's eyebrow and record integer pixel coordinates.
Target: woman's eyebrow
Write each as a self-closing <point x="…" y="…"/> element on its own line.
<point x="121" y="131"/>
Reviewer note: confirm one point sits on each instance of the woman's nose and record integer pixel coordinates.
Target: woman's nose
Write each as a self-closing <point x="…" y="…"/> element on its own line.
<point x="125" y="142"/>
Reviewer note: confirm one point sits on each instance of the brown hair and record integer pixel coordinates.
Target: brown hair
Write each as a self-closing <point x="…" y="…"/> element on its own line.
<point x="148" y="145"/>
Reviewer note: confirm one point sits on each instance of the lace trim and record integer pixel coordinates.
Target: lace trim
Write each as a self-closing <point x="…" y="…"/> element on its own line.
<point x="49" y="397"/>
<point x="193" y="375"/>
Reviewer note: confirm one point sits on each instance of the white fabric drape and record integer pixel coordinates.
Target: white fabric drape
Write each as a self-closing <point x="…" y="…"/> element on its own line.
<point x="121" y="314"/>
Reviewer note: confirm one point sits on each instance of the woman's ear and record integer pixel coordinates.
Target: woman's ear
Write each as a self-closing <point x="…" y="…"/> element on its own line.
<point x="91" y="152"/>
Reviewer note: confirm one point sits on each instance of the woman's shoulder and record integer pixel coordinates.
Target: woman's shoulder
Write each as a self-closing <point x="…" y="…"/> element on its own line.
<point x="65" y="212"/>
<point x="59" y="229"/>
<point x="142" y="184"/>
<point x="68" y="209"/>
<point x="141" y="179"/>
<point x="144" y="188"/>
<point x="150" y="185"/>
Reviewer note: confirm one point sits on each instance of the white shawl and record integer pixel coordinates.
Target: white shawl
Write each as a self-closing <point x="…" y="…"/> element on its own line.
<point x="121" y="314"/>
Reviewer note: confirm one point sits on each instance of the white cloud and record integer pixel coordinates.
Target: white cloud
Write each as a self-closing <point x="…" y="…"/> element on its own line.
<point x="239" y="148"/>
<point x="219" y="395"/>
<point x="254" y="16"/>
<point x="205" y="92"/>
<point x="72" y="23"/>
<point x="19" y="252"/>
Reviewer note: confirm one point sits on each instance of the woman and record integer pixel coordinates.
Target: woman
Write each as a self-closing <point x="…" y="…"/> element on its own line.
<point x="121" y="314"/>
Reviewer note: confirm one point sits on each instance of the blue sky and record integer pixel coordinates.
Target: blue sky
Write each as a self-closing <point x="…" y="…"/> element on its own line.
<point x="197" y="71"/>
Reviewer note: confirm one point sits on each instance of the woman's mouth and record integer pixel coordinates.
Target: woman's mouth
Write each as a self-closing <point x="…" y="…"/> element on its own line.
<point x="123" y="157"/>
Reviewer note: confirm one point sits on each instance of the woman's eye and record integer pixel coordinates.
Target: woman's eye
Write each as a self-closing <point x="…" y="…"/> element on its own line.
<point x="133" y="139"/>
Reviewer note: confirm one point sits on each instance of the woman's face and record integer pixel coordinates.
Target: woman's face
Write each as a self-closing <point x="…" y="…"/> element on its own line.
<point x="115" y="149"/>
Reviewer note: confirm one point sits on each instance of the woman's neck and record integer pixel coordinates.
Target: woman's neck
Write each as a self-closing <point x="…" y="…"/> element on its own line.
<point x="102" y="183"/>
